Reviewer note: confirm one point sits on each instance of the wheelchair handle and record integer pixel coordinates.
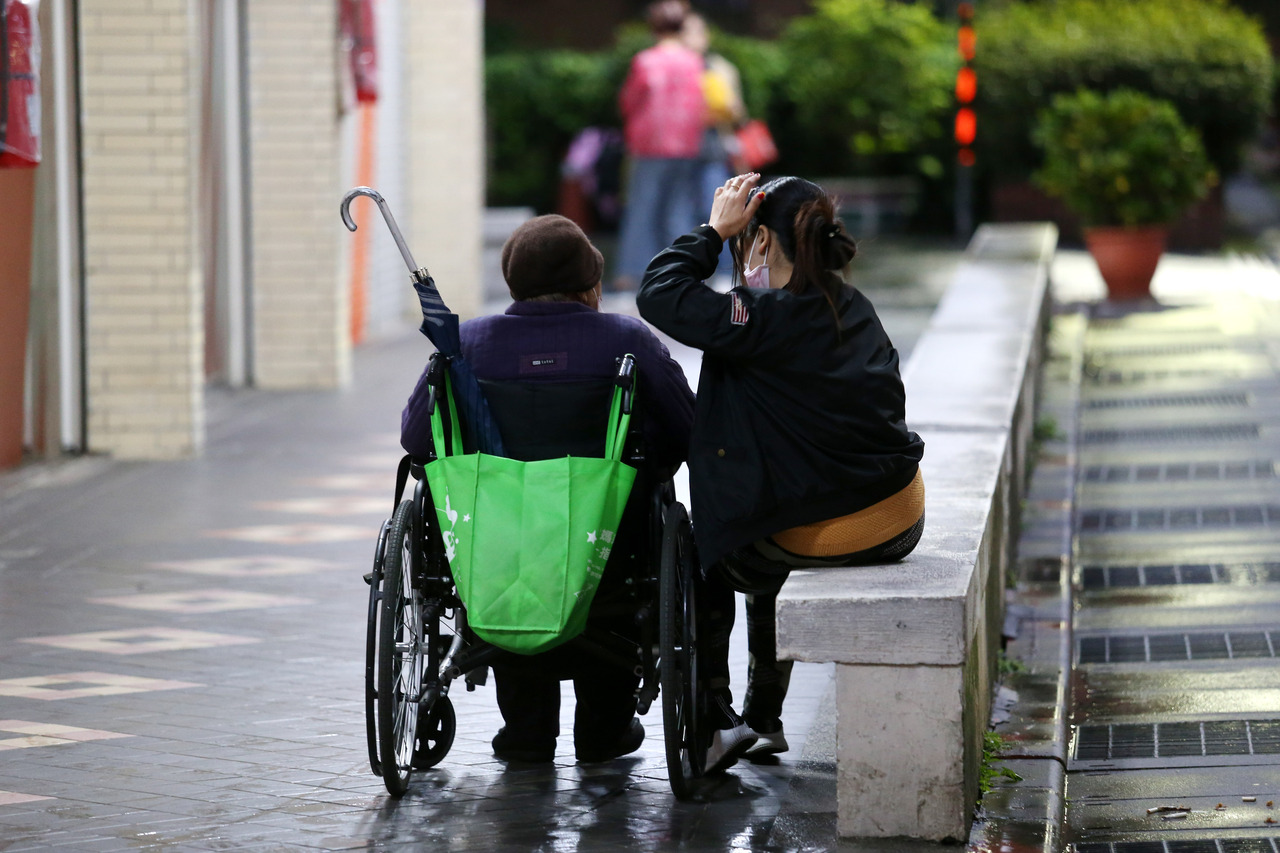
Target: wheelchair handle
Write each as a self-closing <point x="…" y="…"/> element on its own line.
<point x="386" y="214"/>
<point x="625" y="379"/>
<point x="435" y="379"/>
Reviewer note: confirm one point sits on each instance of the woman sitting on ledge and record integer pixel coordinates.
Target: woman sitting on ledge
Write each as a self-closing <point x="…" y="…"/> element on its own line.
<point x="800" y="455"/>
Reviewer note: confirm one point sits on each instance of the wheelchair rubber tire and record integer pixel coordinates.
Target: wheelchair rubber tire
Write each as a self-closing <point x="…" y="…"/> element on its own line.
<point x="401" y="655"/>
<point x="371" y="651"/>
<point x="436" y="728"/>
<point x="678" y="662"/>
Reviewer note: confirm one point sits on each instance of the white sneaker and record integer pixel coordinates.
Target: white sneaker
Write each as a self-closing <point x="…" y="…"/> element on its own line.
<point x="727" y="746"/>
<point x="768" y="743"/>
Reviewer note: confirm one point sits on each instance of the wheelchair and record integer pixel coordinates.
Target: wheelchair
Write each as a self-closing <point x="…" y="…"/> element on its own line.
<point x="418" y="643"/>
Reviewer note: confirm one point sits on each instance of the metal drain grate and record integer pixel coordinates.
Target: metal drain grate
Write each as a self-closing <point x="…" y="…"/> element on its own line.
<point x="1252" y="844"/>
<point x="1176" y="349"/>
<point x="1125" y="377"/>
<point x="1102" y="742"/>
<point x="1177" y="518"/>
<point x="1158" y="648"/>
<point x="1213" y="432"/>
<point x="1258" y="469"/>
<point x="1122" y="577"/>
<point x="1172" y="401"/>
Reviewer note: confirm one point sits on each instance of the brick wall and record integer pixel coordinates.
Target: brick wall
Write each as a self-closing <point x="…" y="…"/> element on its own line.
<point x="144" y="331"/>
<point x="446" y="149"/>
<point x="300" y="307"/>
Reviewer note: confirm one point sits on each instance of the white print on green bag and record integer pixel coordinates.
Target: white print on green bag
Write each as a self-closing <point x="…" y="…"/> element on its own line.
<point x="600" y="556"/>
<point x="450" y="540"/>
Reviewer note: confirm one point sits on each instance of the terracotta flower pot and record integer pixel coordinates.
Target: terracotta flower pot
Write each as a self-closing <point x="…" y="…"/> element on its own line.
<point x="1126" y="257"/>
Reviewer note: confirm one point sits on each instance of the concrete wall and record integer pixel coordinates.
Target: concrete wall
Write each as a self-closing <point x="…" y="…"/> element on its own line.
<point x="915" y="642"/>
<point x="300" y="305"/>
<point x="145" y="335"/>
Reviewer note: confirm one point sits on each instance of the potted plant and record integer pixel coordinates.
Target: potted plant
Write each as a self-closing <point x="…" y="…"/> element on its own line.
<point x="1127" y="165"/>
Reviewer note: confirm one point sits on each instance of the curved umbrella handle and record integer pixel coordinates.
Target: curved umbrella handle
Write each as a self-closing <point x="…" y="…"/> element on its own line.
<point x="386" y="214"/>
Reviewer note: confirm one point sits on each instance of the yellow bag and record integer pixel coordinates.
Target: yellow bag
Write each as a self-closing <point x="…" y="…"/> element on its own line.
<point x="718" y="93"/>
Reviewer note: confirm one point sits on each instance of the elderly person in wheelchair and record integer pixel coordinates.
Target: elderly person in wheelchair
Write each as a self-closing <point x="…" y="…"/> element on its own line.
<point x="529" y="361"/>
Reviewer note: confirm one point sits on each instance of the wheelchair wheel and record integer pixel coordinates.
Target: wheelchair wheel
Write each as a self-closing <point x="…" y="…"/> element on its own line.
<point x="401" y="654"/>
<point x="677" y="637"/>
<point x="374" y="579"/>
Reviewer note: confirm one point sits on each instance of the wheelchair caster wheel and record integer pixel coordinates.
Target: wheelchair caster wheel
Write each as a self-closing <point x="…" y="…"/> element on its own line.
<point x="436" y="729"/>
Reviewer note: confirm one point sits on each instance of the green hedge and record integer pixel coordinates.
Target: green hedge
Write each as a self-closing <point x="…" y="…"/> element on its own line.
<point x="868" y="88"/>
<point x="1211" y="61"/>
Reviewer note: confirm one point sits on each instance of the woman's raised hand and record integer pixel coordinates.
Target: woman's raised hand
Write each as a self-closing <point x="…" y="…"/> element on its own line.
<point x="734" y="205"/>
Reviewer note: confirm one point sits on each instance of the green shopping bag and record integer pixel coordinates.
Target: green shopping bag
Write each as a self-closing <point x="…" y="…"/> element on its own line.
<point x="527" y="542"/>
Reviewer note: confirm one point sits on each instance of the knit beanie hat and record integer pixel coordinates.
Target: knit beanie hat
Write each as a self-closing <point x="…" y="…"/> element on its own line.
<point x="550" y="254"/>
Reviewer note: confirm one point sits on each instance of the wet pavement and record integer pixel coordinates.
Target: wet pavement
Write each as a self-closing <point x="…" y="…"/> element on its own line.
<point x="1161" y="496"/>
<point x="182" y="647"/>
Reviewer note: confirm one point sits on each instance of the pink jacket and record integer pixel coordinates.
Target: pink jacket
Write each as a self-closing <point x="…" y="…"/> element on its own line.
<point x="663" y="110"/>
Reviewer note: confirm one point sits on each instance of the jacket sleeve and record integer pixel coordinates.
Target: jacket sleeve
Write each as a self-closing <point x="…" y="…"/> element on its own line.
<point x="740" y="325"/>
<point x="415" y="423"/>
<point x="667" y="404"/>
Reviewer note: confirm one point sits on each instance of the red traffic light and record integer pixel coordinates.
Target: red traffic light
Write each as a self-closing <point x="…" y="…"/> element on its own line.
<point x="967" y="41"/>
<point x="966" y="126"/>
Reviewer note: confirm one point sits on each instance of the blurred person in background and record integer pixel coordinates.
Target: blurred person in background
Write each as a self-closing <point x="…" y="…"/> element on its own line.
<point x="722" y="91"/>
<point x="664" y="117"/>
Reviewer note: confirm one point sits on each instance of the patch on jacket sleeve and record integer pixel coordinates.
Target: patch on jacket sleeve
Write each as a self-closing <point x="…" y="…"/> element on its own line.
<point x="738" y="314"/>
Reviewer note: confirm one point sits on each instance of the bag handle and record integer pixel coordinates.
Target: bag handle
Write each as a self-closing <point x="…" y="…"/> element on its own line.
<point x="454" y="447"/>
<point x="620" y="408"/>
<point x="619" y="414"/>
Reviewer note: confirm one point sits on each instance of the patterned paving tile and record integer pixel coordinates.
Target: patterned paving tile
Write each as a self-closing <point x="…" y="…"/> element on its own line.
<point x="248" y="567"/>
<point x="47" y="734"/>
<point x="330" y="506"/>
<point x="297" y="534"/>
<point x="75" y="685"/>
<point x="13" y="798"/>
<point x="200" y="601"/>
<point x="140" y="640"/>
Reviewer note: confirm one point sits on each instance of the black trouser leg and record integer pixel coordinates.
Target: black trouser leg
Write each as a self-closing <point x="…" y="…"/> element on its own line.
<point x="529" y="700"/>
<point x="767" y="677"/>
<point x="715" y="613"/>
<point x="606" y="704"/>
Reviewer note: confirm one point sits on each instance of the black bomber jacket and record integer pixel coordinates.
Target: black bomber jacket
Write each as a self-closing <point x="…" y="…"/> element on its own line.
<point x="797" y="421"/>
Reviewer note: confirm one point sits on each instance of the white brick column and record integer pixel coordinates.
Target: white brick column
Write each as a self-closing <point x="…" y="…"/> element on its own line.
<point x="445" y="61"/>
<point x="300" y="306"/>
<point x="144" y="294"/>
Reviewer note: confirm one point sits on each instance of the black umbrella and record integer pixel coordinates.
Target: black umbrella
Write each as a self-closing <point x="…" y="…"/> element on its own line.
<point x="440" y="325"/>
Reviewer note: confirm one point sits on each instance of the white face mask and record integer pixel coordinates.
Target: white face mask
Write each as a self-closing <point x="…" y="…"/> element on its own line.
<point x="757" y="277"/>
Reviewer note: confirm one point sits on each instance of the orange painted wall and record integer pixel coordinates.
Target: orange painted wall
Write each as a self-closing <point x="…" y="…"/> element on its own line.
<point x="17" y="195"/>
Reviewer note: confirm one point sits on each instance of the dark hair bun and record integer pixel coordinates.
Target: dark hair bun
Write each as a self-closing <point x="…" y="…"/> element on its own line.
<point x="836" y="248"/>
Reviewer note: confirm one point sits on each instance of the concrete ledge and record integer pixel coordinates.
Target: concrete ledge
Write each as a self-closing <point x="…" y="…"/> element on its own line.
<point x="915" y="641"/>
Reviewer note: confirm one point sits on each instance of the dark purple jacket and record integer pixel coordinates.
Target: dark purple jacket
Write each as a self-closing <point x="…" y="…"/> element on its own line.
<point x="564" y="342"/>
